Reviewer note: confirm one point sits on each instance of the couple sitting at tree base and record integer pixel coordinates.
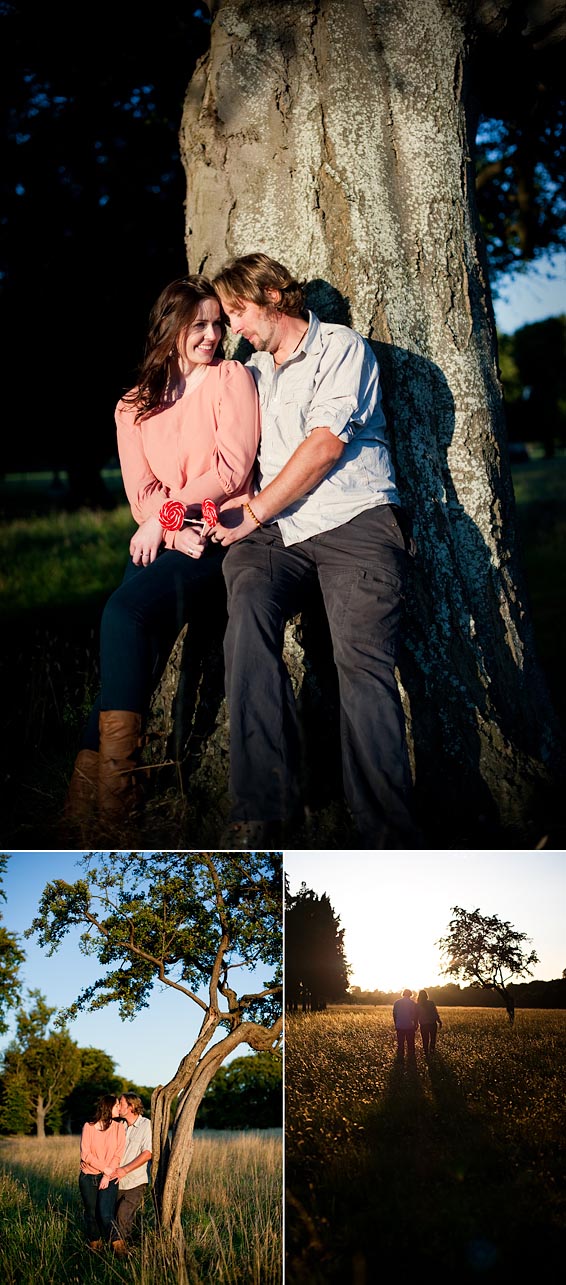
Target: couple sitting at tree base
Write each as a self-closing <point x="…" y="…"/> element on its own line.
<point x="292" y="450"/>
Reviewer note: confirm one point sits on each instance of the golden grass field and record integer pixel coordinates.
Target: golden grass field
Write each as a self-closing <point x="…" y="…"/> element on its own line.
<point x="455" y="1167"/>
<point x="232" y="1217"/>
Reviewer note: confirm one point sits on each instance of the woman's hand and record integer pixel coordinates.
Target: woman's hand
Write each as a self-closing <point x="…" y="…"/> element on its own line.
<point x="190" y="540"/>
<point x="146" y="543"/>
<point x="104" y="1183"/>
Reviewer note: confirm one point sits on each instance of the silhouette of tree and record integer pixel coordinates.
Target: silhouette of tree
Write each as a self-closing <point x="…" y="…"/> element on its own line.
<point x="316" y="970"/>
<point x="486" y="951"/>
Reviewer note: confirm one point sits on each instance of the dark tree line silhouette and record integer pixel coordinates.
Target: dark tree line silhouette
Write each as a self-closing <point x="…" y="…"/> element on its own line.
<point x="316" y="970"/>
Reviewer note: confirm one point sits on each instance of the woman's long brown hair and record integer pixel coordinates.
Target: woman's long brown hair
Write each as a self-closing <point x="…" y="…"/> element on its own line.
<point x="171" y="314"/>
<point x="103" y="1111"/>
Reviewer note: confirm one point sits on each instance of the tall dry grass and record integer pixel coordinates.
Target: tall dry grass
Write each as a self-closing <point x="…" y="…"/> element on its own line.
<point x="232" y="1217"/>
<point x="451" y="1167"/>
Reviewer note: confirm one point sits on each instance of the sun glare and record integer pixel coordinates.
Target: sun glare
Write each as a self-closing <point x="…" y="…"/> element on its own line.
<point x="394" y="907"/>
<point x="390" y="940"/>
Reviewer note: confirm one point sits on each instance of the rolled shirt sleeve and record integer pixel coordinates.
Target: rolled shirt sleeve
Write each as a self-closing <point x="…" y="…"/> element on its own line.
<point x="347" y="393"/>
<point x="331" y="381"/>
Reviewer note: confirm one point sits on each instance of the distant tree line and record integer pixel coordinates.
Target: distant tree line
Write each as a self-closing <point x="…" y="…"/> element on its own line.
<point x="533" y="371"/>
<point x="48" y="1085"/>
<point x="536" y="994"/>
<point x="245" y="1094"/>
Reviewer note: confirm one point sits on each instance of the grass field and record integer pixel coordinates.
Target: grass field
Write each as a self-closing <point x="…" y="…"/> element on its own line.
<point x="455" y="1168"/>
<point x="232" y="1217"/>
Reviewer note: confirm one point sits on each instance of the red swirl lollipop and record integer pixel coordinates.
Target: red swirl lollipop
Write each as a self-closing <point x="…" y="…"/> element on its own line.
<point x="172" y="515"/>
<point x="209" y="512"/>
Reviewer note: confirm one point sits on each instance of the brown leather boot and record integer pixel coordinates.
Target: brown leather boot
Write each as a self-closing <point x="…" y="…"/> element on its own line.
<point x="82" y="792"/>
<point x="118" y="782"/>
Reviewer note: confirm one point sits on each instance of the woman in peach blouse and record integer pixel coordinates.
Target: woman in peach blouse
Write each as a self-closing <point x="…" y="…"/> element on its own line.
<point x="103" y="1141"/>
<point x="188" y="432"/>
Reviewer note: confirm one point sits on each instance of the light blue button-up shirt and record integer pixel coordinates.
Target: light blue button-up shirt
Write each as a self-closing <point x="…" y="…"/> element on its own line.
<point x="331" y="381"/>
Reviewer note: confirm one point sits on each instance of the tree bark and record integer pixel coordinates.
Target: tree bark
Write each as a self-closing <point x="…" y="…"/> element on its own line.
<point x="333" y="134"/>
<point x="40" y="1114"/>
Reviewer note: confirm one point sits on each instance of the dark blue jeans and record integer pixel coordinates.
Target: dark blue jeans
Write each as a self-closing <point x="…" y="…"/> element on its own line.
<point x="140" y="624"/>
<point x="99" y="1206"/>
<point x="361" y="568"/>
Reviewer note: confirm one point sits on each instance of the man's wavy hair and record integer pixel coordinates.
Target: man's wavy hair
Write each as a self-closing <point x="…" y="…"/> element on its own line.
<point x="134" y="1102"/>
<point x="249" y="277"/>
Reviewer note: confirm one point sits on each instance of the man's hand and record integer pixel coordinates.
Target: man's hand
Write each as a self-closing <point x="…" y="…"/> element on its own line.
<point x="146" y="543"/>
<point x="307" y="466"/>
<point x="237" y="530"/>
<point x="119" y="1173"/>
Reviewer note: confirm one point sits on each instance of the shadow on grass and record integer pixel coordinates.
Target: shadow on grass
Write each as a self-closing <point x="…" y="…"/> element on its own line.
<point x="428" y="1190"/>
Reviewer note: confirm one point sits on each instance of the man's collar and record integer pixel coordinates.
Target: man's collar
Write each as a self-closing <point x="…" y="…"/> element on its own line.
<point x="312" y="341"/>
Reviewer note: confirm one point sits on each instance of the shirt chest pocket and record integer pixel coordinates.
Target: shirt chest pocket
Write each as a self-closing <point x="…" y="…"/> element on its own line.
<point x="294" y="392"/>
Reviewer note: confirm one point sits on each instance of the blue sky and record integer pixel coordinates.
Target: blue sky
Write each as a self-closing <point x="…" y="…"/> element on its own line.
<point x="146" y="1050"/>
<point x="395" y="906"/>
<point x="534" y="295"/>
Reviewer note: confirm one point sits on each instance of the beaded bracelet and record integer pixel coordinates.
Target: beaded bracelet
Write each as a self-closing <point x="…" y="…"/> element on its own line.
<point x="252" y="514"/>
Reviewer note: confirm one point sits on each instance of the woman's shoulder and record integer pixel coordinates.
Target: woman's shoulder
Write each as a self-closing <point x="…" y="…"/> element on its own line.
<point x="126" y="408"/>
<point x="231" y="371"/>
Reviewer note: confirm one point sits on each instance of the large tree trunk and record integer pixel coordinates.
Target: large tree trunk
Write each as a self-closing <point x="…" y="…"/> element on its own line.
<point x="333" y="135"/>
<point x="173" y="1146"/>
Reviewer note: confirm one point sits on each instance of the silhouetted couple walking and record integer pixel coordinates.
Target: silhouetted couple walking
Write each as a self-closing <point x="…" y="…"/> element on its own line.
<point x="408" y="1016"/>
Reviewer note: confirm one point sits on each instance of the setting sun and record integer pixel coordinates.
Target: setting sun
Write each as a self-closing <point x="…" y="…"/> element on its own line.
<point x="394" y="907"/>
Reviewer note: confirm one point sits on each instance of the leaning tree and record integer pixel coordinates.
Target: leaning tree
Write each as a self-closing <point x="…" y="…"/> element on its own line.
<point x="186" y="920"/>
<point x="486" y="951"/>
<point x="338" y="136"/>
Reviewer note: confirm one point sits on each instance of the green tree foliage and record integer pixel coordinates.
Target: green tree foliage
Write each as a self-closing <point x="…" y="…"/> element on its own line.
<point x="97" y="1076"/>
<point x="185" y="920"/>
<point x="11" y="957"/>
<point x="16" y="1111"/>
<point x="517" y="72"/>
<point x="316" y="971"/>
<point x="46" y="1062"/>
<point x="540" y="356"/>
<point x="245" y="1094"/>
<point x="487" y="952"/>
<point x="532" y="363"/>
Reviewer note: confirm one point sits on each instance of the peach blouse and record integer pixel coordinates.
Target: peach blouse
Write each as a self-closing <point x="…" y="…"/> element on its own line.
<point x="102" y="1148"/>
<point x="202" y="446"/>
